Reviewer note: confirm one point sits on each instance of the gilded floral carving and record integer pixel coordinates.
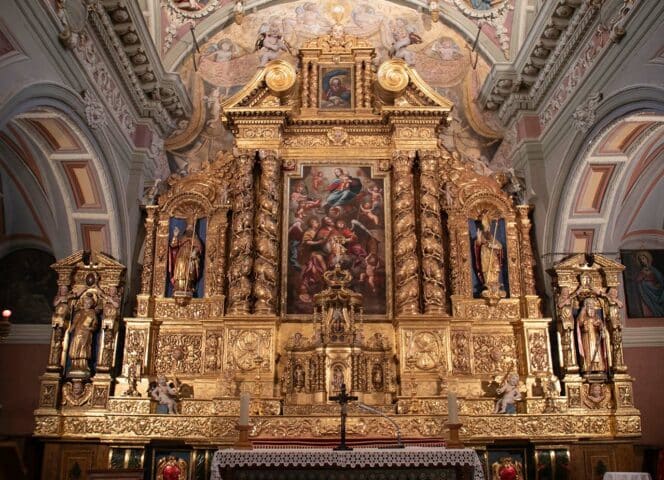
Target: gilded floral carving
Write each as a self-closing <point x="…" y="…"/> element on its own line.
<point x="494" y="353"/>
<point x="178" y="353"/>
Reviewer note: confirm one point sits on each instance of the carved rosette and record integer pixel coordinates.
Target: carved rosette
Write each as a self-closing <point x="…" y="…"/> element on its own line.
<point x="405" y="239"/>
<point x="241" y="262"/>
<point x="431" y="236"/>
<point x="266" y="235"/>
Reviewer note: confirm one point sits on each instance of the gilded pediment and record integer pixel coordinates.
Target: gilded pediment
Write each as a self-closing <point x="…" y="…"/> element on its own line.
<point x="580" y="262"/>
<point x="81" y="257"/>
<point x="336" y="76"/>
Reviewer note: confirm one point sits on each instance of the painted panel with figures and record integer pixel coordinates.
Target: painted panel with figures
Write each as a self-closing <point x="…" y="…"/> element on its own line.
<point x="336" y="215"/>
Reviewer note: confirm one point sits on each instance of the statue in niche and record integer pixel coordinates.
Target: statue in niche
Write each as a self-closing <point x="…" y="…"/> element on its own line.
<point x="488" y="253"/>
<point x="185" y="250"/>
<point x="81" y="335"/>
<point x="592" y="337"/>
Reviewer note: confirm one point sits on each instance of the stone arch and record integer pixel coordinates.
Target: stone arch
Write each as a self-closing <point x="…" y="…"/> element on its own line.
<point x="78" y="165"/>
<point x="596" y="173"/>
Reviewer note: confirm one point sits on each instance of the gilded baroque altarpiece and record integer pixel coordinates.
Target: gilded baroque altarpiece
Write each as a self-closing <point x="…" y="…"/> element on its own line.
<point x="336" y="246"/>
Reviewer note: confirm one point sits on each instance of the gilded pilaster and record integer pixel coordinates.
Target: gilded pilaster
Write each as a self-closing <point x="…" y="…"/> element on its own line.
<point x="359" y="93"/>
<point x="368" y="80"/>
<point x="161" y="256"/>
<point x="241" y="261"/>
<point x="266" y="235"/>
<point x="313" y="90"/>
<point x="142" y="307"/>
<point x="527" y="260"/>
<point x="405" y="239"/>
<point x="148" y="253"/>
<point x="215" y="260"/>
<point x="306" y="101"/>
<point x="431" y="236"/>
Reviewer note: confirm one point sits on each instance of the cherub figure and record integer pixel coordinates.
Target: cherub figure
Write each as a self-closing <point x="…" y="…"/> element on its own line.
<point x="166" y="394"/>
<point x="404" y="36"/>
<point x="509" y="394"/>
<point x="270" y="42"/>
<point x="370" y="271"/>
<point x="376" y="196"/>
<point x="367" y="210"/>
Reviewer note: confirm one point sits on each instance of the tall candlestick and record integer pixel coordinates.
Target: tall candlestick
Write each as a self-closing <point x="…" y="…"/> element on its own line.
<point x="452" y="408"/>
<point x="245" y="398"/>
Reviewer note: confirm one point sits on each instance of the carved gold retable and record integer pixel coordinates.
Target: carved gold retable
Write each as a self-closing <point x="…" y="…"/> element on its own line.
<point x="434" y="336"/>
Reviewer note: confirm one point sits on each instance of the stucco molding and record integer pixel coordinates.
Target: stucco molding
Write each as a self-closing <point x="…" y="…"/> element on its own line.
<point x="634" y="337"/>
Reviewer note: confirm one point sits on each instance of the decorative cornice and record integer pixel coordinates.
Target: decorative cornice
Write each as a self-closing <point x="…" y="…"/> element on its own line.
<point x="554" y="26"/>
<point x="119" y="26"/>
<point x="560" y="30"/>
<point x="157" y="94"/>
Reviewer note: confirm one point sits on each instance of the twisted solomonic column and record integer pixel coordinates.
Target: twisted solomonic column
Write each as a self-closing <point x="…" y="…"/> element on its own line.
<point x="431" y="235"/>
<point x="406" y="276"/>
<point x="266" y="235"/>
<point x="241" y="258"/>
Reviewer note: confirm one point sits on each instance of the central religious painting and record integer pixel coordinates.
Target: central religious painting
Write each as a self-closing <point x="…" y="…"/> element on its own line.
<point x="336" y="216"/>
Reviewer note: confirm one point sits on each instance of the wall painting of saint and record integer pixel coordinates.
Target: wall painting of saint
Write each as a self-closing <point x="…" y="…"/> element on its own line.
<point x="488" y="254"/>
<point x="186" y="260"/>
<point x="644" y="282"/>
<point x="336" y="88"/>
<point x="336" y="214"/>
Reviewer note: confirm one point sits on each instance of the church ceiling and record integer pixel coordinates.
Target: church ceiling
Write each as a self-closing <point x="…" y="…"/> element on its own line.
<point x="228" y="60"/>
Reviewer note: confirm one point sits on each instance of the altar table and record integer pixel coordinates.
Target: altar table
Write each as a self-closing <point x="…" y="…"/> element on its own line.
<point x="361" y="463"/>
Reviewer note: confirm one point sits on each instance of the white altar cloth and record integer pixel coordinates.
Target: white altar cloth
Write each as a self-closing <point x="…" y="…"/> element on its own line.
<point x="626" y="476"/>
<point x="359" y="457"/>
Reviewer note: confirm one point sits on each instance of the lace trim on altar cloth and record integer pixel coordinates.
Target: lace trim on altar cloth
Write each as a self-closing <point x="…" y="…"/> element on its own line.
<point x="360" y="457"/>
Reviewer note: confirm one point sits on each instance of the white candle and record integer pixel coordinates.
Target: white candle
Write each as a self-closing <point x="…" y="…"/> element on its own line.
<point x="245" y="398"/>
<point x="452" y="408"/>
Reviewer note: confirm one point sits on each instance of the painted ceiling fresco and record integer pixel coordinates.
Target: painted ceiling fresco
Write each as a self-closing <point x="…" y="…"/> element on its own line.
<point x="228" y="60"/>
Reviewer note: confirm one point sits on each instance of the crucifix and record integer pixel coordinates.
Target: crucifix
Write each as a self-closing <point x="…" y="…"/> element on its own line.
<point x="342" y="399"/>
